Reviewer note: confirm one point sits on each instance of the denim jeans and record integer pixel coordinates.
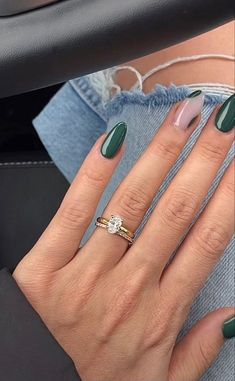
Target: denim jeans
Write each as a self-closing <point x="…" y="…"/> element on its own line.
<point x="71" y="124"/>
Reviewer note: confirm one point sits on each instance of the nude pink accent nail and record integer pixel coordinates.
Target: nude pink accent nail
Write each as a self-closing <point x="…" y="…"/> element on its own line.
<point x="189" y="109"/>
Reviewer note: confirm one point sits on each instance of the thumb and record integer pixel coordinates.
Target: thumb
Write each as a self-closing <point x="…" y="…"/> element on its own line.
<point x="196" y="352"/>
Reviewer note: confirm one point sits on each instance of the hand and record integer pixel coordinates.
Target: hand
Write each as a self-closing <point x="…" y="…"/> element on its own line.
<point x="117" y="310"/>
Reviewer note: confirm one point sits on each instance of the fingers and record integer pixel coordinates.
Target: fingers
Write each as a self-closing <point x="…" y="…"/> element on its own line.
<point x="61" y="240"/>
<point x="205" y="243"/>
<point x="196" y="352"/>
<point x="180" y="203"/>
<point x="135" y="194"/>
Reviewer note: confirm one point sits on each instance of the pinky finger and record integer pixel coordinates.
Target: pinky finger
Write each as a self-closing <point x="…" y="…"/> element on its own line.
<point x="197" y="351"/>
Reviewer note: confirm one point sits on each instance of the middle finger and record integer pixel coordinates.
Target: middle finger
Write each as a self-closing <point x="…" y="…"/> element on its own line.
<point x="180" y="203"/>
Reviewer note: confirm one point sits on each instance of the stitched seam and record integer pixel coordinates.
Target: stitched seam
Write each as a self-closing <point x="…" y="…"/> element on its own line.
<point x="85" y="91"/>
<point x="26" y="163"/>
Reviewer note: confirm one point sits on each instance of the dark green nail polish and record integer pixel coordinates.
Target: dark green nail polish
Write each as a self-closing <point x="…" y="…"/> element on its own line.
<point x="225" y="119"/>
<point x="114" y="140"/>
<point x="229" y="328"/>
<point x="195" y="94"/>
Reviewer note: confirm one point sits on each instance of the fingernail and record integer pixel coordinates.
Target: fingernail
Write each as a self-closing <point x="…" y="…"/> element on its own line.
<point x="229" y="328"/>
<point x="225" y="119"/>
<point x="189" y="109"/>
<point x="114" y="141"/>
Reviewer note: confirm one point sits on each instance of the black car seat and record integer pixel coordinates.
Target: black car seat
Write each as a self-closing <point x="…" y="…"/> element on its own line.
<point x="31" y="187"/>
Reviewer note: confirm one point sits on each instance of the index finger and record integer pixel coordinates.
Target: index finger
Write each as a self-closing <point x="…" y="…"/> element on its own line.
<point x="60" y="241"/>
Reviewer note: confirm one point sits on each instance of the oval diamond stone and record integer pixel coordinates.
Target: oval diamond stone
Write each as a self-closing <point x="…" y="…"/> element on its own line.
<point x="114" y="224"/>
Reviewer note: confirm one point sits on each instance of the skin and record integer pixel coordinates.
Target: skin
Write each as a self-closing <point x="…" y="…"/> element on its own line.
<point x="117" y="311"/>
<point x="219" y="41"/>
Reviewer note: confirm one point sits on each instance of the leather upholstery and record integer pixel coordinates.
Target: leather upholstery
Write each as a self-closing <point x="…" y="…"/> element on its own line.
<point x="74" y="37"/>
<point x="18" y="6"/>
<point x="30" y="194"/>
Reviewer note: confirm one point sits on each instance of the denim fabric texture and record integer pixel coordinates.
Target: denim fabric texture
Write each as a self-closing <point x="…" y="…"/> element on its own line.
<point x="71" y="124"/>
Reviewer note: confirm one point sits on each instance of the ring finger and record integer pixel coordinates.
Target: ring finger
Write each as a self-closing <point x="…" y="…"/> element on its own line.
<point x="134" y="196"/>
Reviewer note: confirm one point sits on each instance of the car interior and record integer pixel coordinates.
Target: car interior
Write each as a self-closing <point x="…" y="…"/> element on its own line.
<point x="44" y="43"/>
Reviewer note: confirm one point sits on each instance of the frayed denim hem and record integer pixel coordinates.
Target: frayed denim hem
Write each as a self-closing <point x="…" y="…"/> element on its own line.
<point x="160" y="96"/>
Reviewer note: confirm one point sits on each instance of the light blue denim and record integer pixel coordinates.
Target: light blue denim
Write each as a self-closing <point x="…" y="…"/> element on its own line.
<point x="71" y="124"/>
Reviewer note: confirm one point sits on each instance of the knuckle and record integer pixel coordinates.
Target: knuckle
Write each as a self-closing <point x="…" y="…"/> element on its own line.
<point x="133" y="202"/>
<point x="228" y="189"/>
<point x="169" y="150"/>
<point x="88" y="282"/>
<point x="74" y="215"/>
<point x="159" y="332"/>
<point x="211" y="151"/>
<point x="125" y="301"/>
<point x="206" y="354"/>
<point x="179" y="208"/>
<point x="211" y="239"/>
<point x="94" y="177"/>
<point x="119" y="306"/>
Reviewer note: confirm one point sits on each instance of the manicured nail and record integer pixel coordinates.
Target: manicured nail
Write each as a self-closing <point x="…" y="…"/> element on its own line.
<point x="114" y="141"/>
<point x="189" y="109"/>
<point x="229" y="328"/>
<point x="225" y="119"/>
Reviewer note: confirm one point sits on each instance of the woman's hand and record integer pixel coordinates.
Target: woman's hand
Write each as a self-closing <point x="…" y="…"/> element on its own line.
<point x="116" y="310"/>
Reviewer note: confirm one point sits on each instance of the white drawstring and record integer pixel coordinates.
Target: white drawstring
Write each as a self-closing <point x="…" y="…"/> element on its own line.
<point x="183" y="59"/>
<point x="104" y="81"/>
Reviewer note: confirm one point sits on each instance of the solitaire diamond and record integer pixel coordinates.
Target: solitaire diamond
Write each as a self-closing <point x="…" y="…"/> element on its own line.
<point x="114" y="224"/>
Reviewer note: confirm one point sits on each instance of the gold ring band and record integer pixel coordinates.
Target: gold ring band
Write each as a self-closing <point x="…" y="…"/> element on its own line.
<point x="115" y="226"/>
<point x="103" y="220"/>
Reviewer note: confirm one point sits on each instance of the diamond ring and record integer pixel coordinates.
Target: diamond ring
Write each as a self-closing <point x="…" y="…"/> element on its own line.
<point x="115" y="226"/>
